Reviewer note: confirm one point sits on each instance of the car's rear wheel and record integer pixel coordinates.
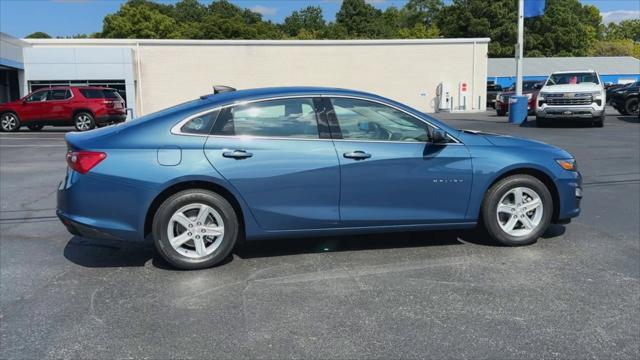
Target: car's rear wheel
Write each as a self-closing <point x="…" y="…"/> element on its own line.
<point x="517" y="210"/>
<point x="35" y="127"/>
<point x="501" y="112"/>
<point x="83" y="121"/>
<point x="9" y="122"/>
<point x="631" y="106"/>
<point x="195" y="229"/>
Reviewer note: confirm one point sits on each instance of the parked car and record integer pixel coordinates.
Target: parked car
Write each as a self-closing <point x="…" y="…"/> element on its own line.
<point x="577" y="95"/>
<point x="625" y="99"/>
<point x="530" y="89"/>
<point x="258" y="164"/>
<point x="493" y="90"/>
<point x="83" y="107"/>
<point x="610" y="88"/>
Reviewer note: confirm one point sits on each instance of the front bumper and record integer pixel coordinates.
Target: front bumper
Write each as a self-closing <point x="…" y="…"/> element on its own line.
<point x="569" y="196"/>
<point x="569" y="112"/>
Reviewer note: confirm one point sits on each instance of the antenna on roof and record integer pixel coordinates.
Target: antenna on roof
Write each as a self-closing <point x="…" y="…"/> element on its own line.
<point x="217" y="89"/>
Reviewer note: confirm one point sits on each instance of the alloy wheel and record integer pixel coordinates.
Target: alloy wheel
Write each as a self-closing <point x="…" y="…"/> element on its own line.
<point x="520" y="211"/>
<point x="195" y="230"/>
<point x="83" y="122"/>
<point x="9" y="122"/>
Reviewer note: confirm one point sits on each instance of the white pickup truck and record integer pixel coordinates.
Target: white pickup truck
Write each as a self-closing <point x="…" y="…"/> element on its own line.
<point x="571" y="95"/>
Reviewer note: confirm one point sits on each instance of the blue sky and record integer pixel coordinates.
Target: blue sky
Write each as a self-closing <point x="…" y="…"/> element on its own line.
<point x="67" y="17"/>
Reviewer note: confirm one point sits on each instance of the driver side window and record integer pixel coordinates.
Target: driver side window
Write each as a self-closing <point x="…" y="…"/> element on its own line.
<point x="366" y="120"/>
<point x="38" y="96"/>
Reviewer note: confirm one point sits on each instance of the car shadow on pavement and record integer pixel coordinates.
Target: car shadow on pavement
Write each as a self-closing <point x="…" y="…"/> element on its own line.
<point x="106" y="253"/>
<point x="630" y="119"/>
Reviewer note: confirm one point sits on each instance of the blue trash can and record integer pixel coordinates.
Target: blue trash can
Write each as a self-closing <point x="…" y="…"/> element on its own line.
<point x="518" y="109"/>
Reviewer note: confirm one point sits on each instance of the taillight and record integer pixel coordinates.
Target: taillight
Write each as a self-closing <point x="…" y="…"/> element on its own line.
<point x="109" y="103"/>
<point x="83" y="161"/>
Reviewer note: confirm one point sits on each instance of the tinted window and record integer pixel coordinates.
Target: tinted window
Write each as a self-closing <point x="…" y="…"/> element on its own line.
<point x="365" y="120"/>
<point x="59" y="94"/>
<point x="201" y="124"/>
<point x="100" y="94"/>
<point x="38" y="96"/>
<point x="293" y="118"/>
<point x="573" y="78"/>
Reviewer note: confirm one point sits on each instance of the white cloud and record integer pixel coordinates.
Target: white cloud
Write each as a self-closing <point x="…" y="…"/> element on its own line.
<point x="264" y="10"/>
<point x="619" y="15"/>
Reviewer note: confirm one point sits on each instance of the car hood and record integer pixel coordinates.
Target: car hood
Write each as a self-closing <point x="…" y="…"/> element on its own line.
<point x="586" y="87"/>
<point x="521" y="143"/>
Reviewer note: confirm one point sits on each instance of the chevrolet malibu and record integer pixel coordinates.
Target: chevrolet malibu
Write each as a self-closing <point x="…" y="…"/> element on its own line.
<point x="306" y="161"/>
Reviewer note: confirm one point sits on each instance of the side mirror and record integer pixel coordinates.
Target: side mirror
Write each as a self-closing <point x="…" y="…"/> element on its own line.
<point x="438" y="136"/>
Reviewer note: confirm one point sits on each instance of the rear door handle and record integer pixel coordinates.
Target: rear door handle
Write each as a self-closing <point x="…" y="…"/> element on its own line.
<point x="357" y="155"/>
<point x="237" y="154"/>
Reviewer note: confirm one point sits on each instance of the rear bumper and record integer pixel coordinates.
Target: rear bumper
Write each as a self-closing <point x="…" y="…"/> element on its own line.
<point x="96" y="206"/>
<point x="569" y="112"/>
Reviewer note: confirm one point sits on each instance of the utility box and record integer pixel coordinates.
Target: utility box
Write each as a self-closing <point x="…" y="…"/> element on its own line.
<point x="443" y="95"/>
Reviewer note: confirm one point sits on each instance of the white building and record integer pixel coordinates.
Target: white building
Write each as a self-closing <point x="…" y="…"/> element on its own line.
<point x="155" y="74"/>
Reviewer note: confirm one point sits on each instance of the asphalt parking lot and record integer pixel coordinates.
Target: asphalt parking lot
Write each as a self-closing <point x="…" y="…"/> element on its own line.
<point x="573" y="294"/>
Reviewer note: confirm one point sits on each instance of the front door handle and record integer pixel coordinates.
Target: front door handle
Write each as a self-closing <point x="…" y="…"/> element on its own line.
<point x="357" y="155"/>
<point x="237" y="154"/>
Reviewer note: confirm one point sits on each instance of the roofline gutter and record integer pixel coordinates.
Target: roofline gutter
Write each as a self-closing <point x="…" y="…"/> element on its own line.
<point x="138" y="42"/>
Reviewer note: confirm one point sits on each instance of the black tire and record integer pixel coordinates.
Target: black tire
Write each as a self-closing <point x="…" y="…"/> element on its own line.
<point x="541" y="122"/>
<point x="501" y="113"/>
<point x="495" y="194"/>
<point x="631" y="106"/>
<point x="35" y="127"/>
<point x="183" y="199"/>
<point x="598" y="122"/>
<point x="84" y="121"/>
<point x="9" y="122"/>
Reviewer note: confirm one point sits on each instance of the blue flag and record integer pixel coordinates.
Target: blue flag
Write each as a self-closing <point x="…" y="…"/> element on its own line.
<point x="533" y="8"/>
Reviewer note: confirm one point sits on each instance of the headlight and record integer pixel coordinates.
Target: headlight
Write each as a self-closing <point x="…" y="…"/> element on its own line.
<point x="541" y="96"/>
<point x="568" y="164"/>
<point x="596" y="95"/>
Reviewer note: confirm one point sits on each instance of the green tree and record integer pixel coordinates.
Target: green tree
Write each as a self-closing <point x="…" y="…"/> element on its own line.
<point x="422" y="12"/>
<point x="189" y="11"/>
<point x="38" y="35"/>
<point x="478" y="18"/>
<point x="139" y="20"/>
<point x="359" y="19"/>
<point x="419" y="31"/>
<point x="309" y="19"/>
<point x="567" y="28"/>
<point x="616" y="47"/>
<point x="626" y="29"/>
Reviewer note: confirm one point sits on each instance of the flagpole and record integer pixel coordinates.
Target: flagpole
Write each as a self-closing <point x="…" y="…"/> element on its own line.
<point x="519" y="47"/>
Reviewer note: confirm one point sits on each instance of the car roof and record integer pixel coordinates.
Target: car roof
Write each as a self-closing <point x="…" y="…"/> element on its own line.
<point x="257" y="93"/>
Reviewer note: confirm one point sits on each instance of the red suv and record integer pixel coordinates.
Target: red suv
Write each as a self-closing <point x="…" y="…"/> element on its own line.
<point x="83" y="107"/>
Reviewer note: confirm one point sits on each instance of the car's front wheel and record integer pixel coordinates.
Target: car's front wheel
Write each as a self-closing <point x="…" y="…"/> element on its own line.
<point x="84" y="121"/>
<point x="195" y="229"/>
<point x="631" y="106"/>
<point x="9" y="122"/>
<point x="517" y="210"/>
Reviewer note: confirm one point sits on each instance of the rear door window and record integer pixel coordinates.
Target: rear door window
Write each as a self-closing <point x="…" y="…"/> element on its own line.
<point x="100" y="94"/>
<point x="59" y="95"/>
<point x="284" y="118"/>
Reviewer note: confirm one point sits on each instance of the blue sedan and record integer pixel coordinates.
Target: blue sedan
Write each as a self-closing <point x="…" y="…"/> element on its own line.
<point x="305" y="161"/>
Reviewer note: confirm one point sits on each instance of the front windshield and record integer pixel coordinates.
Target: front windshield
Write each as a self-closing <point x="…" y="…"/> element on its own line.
<point x="573" y="78"/>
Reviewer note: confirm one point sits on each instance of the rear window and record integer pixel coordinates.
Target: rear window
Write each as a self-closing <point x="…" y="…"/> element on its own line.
<point x="100" y="94"/>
